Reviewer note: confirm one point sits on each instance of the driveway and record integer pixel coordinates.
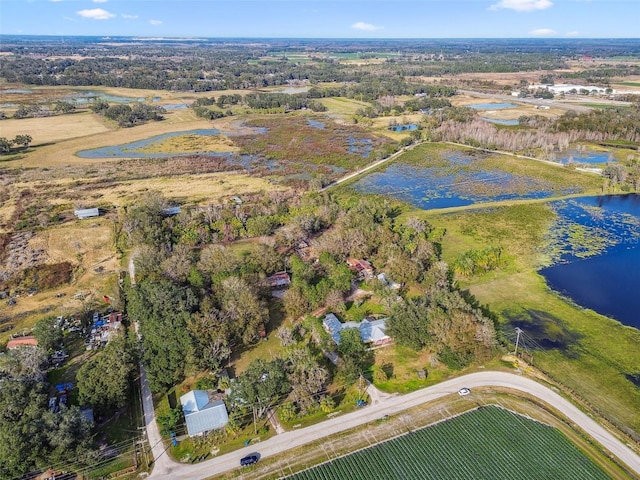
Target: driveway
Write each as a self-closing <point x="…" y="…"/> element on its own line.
<point x="167" y="469"/>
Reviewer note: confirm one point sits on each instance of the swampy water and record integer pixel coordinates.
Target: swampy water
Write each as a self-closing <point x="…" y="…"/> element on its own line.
<point x="457" y="184"/>
<point x="598" y="264"/>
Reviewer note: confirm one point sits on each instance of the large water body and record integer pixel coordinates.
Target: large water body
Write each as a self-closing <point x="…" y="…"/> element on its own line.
<point x="608" y="283"/>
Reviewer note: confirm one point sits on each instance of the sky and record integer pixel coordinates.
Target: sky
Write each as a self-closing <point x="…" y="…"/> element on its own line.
<point x="324" y="19"/>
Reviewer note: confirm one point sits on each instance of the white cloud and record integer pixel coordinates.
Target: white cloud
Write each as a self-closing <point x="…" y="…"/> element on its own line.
<point x="522" y="5"/>
<point x="55" y="0"/>
<point x="155" y="22"/>
<point x="95" y="14"/>
<point x="99" y="1"/>
<point x="367" y="27"/>
<point x="129" y="17"/>
<point x="572" y="33"/>
<point x="542" y="32"/>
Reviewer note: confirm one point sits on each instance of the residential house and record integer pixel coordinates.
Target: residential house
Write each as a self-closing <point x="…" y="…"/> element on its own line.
<point x="203" y="412"/>
<point x="372" y="331"/>
<point x="363" y="268"/>
<point x="278" y="280"/>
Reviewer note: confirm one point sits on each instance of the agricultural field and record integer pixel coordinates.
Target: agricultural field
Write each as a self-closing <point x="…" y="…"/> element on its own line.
<point x="487" y="443"/>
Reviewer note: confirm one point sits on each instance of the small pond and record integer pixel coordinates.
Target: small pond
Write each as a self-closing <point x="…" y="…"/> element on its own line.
<point x="598" y="265"/>
<point x="402" y="128"/>
<point x="88" y="96"/>
<point x="134" y="149"/>
<point x="501" y="121"/>
<point x="315" y="123"/>
<point x="174" y="106"/>
<point x="590" y="157"/>
<point x="492" y="106"/>
<point x="456" y="184"/>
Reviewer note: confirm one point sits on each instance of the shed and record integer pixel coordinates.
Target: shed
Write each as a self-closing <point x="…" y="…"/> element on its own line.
<point x="87" y="213"/>
<point x="201" y="414"/>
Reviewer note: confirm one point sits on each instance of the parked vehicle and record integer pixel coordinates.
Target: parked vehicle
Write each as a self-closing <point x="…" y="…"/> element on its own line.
<point x="249" y="460"/>
<point x="464" y="391"/>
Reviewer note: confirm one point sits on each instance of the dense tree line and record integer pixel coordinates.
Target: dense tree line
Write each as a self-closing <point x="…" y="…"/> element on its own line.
<point x="127" y="116"/>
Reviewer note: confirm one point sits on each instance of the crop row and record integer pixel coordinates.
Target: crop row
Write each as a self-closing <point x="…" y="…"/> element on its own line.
<point x="487" y="443"/>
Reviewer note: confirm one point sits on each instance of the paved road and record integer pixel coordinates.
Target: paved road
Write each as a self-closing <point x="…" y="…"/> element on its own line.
<point x="166" y="469"/>
<point x="162" y="463"/>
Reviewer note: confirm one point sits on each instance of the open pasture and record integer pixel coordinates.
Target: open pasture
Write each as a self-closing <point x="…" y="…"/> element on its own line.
<point x="487" y="443"/>
<point x="48" y="130"/>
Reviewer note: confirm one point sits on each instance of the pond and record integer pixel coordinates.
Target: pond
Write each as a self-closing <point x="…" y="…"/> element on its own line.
<point x="316" y="124"/>
<point x="492" y="106"/>
<point x="598" y="263"/>
<point x="590" y="157"/>
<point x="501" y="121"/>
<point x="457" y="182"/>
<point x="402" y="128"/>
<point x="136" y="149"/>
<point x="88" y="96"/>
<point x="175" y="106"/>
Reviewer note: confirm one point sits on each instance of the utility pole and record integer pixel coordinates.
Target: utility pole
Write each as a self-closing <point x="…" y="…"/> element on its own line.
<point x="518" y="332"/>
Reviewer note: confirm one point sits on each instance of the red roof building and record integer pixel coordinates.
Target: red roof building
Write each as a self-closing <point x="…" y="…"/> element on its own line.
<point x="28" y="341"/>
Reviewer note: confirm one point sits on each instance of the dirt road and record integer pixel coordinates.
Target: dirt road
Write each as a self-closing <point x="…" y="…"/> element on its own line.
<point x="167" y="469"/>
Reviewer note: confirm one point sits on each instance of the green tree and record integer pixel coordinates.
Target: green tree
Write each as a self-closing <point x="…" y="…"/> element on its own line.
<point x="355" y="359"/>
<point x="408" y="323"/>
<point x="22" y="140"/>
<point x="48" y="334"/>
<point x="5" y="145"/>
<point x="261" y="386"/>
<point x="103" y="381"/>
<point x="163" y="310"/>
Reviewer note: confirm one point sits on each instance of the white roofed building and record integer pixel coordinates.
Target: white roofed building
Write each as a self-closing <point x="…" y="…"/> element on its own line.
<point x="202" y="413"/>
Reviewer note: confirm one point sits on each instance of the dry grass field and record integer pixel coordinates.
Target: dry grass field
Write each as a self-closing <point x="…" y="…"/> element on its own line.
<point x="49" y="130"/>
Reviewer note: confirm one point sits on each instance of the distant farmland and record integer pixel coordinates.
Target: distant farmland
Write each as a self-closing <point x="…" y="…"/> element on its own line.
<point x="487" y="443"/>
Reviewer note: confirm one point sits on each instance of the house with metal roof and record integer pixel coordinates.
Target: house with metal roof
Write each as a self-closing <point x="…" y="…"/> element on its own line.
<point x="371" y="331"/>
<point x="203" y="413"/>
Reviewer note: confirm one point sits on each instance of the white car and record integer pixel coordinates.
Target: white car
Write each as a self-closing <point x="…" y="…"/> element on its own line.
<point x="464" y="391"/>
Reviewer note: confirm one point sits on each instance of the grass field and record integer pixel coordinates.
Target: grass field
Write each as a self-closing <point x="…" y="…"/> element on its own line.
<point x="487" y="443"/>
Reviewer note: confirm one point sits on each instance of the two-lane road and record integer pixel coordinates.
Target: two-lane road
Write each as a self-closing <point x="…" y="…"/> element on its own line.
<point x="167" y="469"/>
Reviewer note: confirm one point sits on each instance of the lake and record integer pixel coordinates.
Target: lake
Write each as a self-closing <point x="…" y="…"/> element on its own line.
<point x="603" y="275"/>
